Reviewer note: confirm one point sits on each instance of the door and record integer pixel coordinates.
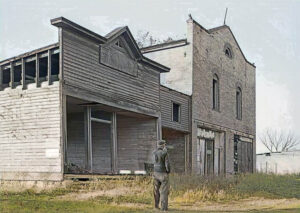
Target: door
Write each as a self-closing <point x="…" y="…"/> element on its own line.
<point x="101" y="152"/>
<point x="209" y="157"/>
<point x="101" y="142"/>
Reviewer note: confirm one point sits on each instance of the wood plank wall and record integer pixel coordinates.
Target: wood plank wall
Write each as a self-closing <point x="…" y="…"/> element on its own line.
<point x="76" y="146"/>
<point x="176" y="141"/>
<point x="137" y="139"/>
<point x="30" y="127"/>
<point x="167" y="97"/>
<point x="82" y="70"/>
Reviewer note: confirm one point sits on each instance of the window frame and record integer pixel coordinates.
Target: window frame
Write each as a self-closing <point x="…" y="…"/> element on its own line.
<point x="239" y="103"/>
<point x="216" y="93"/>
<point x="227" y="47"/>
<point x="179" y="112"/>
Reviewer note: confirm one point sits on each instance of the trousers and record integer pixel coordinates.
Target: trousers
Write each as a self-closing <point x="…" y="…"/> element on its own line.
<point x="161" y="189"/>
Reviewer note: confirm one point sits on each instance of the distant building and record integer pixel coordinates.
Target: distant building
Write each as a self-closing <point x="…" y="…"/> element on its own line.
<point x="279" y="162"/>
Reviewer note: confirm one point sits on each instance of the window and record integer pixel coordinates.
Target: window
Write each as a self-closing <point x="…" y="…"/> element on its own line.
<point x="228" y="50"/>
<point x="228" y="53"/>
<point x="119" y="44"/>
<point x="176" y="112"/>
<point x="239" y="103"/>
<point x="216" y="104"/>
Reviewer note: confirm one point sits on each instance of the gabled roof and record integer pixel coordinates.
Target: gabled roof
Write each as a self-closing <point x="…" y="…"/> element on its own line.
<point x="121" y="31"/>
<point x="212" y="30"/>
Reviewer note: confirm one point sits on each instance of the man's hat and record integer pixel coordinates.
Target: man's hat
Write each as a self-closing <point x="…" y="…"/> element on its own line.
<point x="161" y="142"/>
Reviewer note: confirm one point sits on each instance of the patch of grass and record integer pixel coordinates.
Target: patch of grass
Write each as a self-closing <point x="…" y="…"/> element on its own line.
<point x="60" y="206"/>
<point x="184" y="190"/>
<point x="268" y="185"/>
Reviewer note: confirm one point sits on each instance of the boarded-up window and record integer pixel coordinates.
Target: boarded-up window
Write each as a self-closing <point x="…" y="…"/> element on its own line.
<point x="176" y="112"/>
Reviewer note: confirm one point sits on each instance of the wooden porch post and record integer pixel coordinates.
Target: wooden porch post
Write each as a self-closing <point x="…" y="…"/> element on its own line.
<point x="37" y="70"/>
<point x="49" y="68"/>
<point x="114" y="142"/>
<point x="23" y="81"/>
<point x="89" y="138"/>
<point x="12" y="75"/>
<point x="1" y="78"/>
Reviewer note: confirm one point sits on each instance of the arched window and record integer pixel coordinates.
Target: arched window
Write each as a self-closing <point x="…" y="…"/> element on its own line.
<point x="239" y="103"/>
<point x="228" y="50"/>
<point x="216" y="98"/>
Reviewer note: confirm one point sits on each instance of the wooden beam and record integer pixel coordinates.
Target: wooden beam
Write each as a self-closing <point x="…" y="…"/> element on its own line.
<point x="100" y="120"/>
<point x="64" y="131"/>
<point x="114" y="143"/>
<point x="23" y="80"/>
<point x="49" y="68"/>
<point x="90" y="145"/>
<point x="11" y="83"/>
<point x="31" y="53"/>
<point x="1" y="78"/>
<point x="37" y="70"/>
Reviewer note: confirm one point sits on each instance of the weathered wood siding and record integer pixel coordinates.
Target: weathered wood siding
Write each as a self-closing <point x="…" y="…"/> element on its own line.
<point x="136" y="142"/>
<point x="83" y="71"/>
<point x="76" y="146"/>
<point x="102" y="144"/>
<point x="30" y="133"/>
<point x="176" y="149"/>
<point x="167" y="98"/>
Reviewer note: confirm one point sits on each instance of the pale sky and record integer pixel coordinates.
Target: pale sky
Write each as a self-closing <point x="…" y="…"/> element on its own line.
<point x="267" y="31"/>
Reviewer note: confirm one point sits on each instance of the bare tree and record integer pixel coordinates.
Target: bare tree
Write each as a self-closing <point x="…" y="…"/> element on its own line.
<point x="145" y="39"/>
<point x="278" y="141"/>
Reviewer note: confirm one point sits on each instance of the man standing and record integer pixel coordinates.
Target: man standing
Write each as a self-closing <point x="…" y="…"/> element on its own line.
<point x="161" y="175"/>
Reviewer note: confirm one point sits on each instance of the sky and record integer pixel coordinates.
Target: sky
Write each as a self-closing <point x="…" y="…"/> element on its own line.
<point x="267" y="31"/>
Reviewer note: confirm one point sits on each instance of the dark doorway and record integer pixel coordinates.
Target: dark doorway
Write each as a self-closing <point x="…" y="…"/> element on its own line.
<point x="209" y="157"/>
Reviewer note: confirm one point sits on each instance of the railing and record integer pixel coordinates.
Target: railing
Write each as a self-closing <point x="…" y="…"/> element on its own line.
<point x="37" y="66"/>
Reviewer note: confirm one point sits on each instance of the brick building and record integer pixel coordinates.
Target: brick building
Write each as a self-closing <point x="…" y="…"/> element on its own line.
<point x="210" y="67"/>
<point x="92" y="104"/>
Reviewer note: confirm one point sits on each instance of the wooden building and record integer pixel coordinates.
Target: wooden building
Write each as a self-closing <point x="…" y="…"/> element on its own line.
<point x="93" y="104"/>
<point x="87" y="104"/>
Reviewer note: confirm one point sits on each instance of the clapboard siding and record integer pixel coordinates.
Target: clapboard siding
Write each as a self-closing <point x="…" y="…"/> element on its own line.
<point x="136" y="141"/>
<point x="167" y="97"/>
<point x="76" y="145"/>
<point x="82" y="69"/>
<point x="30" y="127"/>
<point x="176" y="149"/>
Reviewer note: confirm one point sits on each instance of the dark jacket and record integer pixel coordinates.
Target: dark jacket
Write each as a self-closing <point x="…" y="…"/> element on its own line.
<point x="161" y="161"/>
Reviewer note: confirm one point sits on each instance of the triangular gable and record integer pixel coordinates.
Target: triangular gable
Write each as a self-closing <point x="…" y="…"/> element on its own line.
<point x="105" y="41"/>
<point x="128" y="38"/>
<point x="237" y="44"/>
<point x="120" y="51"/>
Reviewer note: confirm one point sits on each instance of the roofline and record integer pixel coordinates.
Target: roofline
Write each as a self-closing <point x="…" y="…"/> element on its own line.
<point x="212" y="30"/>
<point x="181" y="93"/>
<point x="26" y="54"/>
<point x="66" y="23"/>
<point x="165" y="45"/>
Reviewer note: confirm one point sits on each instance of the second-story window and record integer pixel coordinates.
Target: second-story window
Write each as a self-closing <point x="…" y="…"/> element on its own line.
<point x="239" y="103"/>
<point x="215" y="95"/>
<point x="175" y="112"/>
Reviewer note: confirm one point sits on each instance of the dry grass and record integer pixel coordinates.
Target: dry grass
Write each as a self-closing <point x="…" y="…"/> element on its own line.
<point x="193" y="193"/>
